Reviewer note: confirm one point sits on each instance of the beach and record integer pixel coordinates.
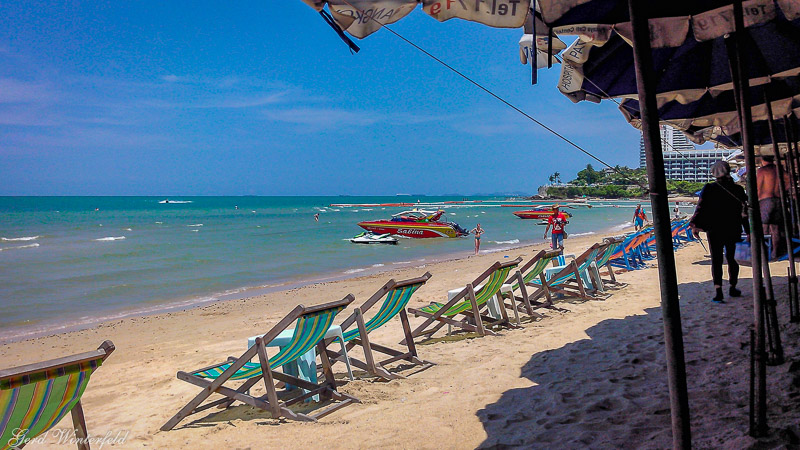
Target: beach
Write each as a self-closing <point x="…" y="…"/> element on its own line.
<point x="593" y="376"/>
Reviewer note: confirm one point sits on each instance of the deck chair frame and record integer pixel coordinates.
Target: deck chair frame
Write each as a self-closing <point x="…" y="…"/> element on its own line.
<point x="518" y="279"/>
<point x="277" y="408"/>
<point x="474" y="312"/>
<point x="573" y="286"/>
<point x="370" y="363"/>
<point x="604" y="260"/>
<point x="46" y="370"/>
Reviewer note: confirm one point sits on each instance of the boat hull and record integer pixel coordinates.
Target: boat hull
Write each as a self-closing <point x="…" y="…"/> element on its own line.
<point x="410" y="229"/>
<point x="537" y="214"/>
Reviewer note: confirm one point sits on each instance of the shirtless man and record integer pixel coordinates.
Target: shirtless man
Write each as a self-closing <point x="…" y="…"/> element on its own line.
<point x="769" y="200"/>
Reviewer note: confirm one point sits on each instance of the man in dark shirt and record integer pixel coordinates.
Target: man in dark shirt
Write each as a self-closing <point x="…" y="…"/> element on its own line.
<point x="720" y="213"/>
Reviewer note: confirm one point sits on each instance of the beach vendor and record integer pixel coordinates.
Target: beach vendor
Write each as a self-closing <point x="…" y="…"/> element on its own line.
<point x="721" y="213"/>
<point x="639" y="217"/>
<point x="558" y="221"/>
<point x="477" y="231"/>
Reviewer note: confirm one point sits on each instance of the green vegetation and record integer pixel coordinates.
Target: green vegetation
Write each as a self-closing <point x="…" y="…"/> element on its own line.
<point x="619" y="182"/>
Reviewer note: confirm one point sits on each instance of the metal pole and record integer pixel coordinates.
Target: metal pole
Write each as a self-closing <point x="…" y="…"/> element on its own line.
<point x="670" y="307"/>
<point x="741" y="87"/>
<point x="787" y="227"/>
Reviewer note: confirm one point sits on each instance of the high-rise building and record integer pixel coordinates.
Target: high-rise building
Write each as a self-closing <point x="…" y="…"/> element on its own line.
<point x="681" y="160"/>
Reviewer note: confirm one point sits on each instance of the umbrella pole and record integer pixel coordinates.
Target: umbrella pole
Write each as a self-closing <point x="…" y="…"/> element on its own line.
<point x="790" y="151"/>
<point x="741" y="86"/>
<point x="787" y="228"/>
<point x="670" y="306"/>
<point x="793" y="170"/>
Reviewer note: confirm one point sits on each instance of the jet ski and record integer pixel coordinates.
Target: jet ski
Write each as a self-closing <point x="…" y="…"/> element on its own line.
<point x="369" y="237"/>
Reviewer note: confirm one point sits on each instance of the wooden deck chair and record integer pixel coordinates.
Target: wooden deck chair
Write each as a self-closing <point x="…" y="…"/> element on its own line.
<point x="473" y="308"/>
<point x="35" y="397"/>
<point x="604" y="260"/>
<point x="312" y="324"/>
<point x="521" y="279"/>
<point x="568" y="280"/>
<point x="396" y="295"/>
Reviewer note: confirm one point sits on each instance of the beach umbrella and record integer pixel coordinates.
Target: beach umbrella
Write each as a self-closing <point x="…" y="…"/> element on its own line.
<point x="360" y="18"/>
<point x="675" y="51"/>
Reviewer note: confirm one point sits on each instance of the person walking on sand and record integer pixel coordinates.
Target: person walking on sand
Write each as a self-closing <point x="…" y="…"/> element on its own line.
<point x="477" y="231"/>
<point x="769" y="201"/>
<point x="721" y="213"/>
<point x="558" y="221"/>
<point x="639" y="217"/>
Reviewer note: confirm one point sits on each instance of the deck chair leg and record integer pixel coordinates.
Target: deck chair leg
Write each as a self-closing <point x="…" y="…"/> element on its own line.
<point x="524" y="291"/>
<point x="327" y="370"/>
<point x="581" y="289"/>
<point x="412" y="348"/>
<point x="186" y="410"/>
<point x="546" y="288"/>
<point x="269" y="383"/>
<point x="611" y="273"/>
<point x="475" y="313"/>
<point x="362" y="334"/>
<point x="79" y="425"/>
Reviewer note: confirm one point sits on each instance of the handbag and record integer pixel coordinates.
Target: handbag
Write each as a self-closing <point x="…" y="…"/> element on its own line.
<point x="742" y="253"/>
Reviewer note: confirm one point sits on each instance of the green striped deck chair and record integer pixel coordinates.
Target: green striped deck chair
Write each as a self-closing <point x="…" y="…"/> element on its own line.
<point x="396" y="295"/>
<point x="441" y="314"/>
<point x="568" y="280"/>
<point x="522" y="279"/>
<point x="34" y="398"/>
<point x="309" y="332"/>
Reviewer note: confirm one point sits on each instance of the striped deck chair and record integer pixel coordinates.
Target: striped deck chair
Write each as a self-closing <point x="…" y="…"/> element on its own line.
<point x="441" y="314"/>
<point x="312" y="324"/>
<point x="568" y="280"/>
<point x="35" y="397"/>
<point x="396" y="296"/>
<point x="604" y="260"/>
<point x="522" y="278"/>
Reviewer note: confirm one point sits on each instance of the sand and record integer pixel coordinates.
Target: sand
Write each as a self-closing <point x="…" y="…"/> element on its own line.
<point x="590" y="377"/>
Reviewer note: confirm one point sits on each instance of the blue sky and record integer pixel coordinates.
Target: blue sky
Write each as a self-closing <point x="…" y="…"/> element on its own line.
<point x="262" y="98"/>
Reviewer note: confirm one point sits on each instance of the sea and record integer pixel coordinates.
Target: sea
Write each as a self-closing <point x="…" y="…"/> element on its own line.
<point x="69" y="262"/>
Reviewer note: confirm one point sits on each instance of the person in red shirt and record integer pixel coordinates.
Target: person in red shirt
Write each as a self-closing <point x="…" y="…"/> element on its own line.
<point x="558" y="221"/>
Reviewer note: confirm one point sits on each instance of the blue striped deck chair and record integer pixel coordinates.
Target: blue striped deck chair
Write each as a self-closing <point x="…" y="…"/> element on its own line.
<point x="473" y="308"/>
<point x="604" y="260"/>
<point x="568" y="280"/>
<point x="396" y="295"/>
<point x="521" y="279"/>
<point x="35" y="397"/>
<point x="311" y="325"/>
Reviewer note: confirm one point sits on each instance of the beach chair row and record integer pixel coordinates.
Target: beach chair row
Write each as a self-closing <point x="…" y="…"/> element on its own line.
<point x="633" y="251"/>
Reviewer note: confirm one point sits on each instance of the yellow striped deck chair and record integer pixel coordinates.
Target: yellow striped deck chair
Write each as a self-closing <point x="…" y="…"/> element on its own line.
<point x="473" y="308"/>
<point x="35" y="397"/>
<point x="309" y="332"/>
<point x="396" y="295"/>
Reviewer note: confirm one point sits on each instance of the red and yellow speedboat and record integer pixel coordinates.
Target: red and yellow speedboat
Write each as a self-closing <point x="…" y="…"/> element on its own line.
<point x="416" y="223"/>
<point x="542" y="213"/>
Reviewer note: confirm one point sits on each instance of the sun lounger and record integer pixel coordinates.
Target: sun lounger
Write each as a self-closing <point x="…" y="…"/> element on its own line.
<point x="568" y="280"/>
<point x="522" y="278"/>
<point x="396" y="295"/>
<point x="35" y="397"/>
<point x="312" y="324"/>
<point x="439" y="315"/>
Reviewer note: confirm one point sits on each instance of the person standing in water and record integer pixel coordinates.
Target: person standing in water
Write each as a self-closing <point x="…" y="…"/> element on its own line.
<point x="639" y="217"/>
<point x="477" y="231"/>
<point x="316" y="217"/>
<point x="558" y="221"/>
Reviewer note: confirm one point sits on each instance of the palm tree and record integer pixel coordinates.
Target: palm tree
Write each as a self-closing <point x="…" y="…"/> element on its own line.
<point x="557" y="177"/>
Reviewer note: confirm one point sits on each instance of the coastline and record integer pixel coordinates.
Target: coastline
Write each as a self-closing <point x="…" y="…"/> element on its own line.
<point x="54" y="328"/>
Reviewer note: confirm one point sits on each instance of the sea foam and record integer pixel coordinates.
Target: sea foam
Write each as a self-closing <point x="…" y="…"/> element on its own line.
<point x="25" y="238"/>
<point x="111" y="238"/>
<point x="18" y="247"/>
<point x="512" y="241"/>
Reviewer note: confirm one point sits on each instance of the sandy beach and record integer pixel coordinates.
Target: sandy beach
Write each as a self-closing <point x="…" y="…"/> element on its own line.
<point x="590" y="377"/>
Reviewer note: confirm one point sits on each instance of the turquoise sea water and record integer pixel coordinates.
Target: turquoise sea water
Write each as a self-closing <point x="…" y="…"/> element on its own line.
<point x="66" y="261"/>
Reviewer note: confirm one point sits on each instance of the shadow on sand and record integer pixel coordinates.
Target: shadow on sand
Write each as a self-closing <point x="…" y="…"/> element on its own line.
<point x="609" y="391"/>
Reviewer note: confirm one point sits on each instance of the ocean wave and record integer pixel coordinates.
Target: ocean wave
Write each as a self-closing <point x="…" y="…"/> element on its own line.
<point x="18" y="247"/>
<point x="377" y="265"/>
<point x="622" y="226"/>
<point x="582" y="234"/>
<point x="402" y="262"/>
<point x="512" y="241"/>
<point x="175" y="201"/>
<point x="111" y="238"/>
<point x="354" y="270"/>
<point x="159" y="223"/>
<point x="195" y="225"/>
<point x="128" y="229"/>
<point x="24" y="238"/>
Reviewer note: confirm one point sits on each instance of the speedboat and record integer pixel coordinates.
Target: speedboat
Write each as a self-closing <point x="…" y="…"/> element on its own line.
<point x="369" y="237"/>
<point x="541" y="212"/>
<point x="416" y="223"/>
